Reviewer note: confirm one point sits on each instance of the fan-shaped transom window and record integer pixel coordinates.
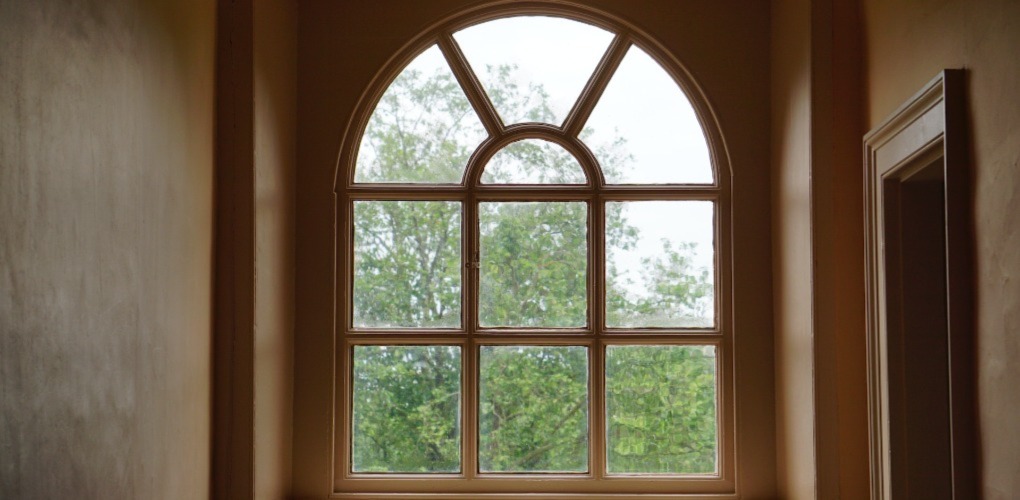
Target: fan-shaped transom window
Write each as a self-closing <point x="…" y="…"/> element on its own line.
<point x="533" y="69"/>
<point x="532" y="275"/>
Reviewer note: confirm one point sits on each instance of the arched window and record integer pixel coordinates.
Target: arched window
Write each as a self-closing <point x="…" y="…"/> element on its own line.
<point x="532" y="268"/>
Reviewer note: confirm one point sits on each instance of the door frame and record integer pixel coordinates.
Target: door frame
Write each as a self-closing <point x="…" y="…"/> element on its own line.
<point x="931" y="126"/>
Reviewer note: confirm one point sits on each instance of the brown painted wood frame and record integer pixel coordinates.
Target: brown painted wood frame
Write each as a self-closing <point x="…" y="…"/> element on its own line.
<point x="470" y="483"/>
<point x="931" y="126"/>
<point x="233" y="448"/>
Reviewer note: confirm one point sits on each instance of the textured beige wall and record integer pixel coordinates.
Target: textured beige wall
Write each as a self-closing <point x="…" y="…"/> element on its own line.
<point x="724" y="45"/>
<point x="821" y="423"/>
<point x="275" y="54"/>
<point x="106" y="168"/>
<point x="907" y="43"/>
<point x="791" y="248"/>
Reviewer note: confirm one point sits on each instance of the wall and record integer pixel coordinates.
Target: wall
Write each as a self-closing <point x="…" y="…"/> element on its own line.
<point x="907" y="43"/>
<point x="255" y="136"/>
<point x="106" y="176"/>
<point x="275" y="55"/>
<point x="341" y="46"/>
<point x="791" y="248"/>
<point x="818" y="250"/>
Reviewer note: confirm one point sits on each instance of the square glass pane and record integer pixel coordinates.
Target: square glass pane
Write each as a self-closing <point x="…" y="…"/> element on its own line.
<point x="533" y="409"/>
<point x="660" y="264"/>
<point x="407" y="268"/>
<point x="406" y="410"/>
<point x="534" y="264"/>
<point x="661" y="409"/>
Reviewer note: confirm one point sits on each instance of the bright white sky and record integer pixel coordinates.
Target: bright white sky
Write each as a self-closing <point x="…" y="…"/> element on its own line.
<point x="641" y="104"/>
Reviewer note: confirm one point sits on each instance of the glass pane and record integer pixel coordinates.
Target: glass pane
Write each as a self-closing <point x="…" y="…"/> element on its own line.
<point x="533" y="67"/>
<point x="406" y="409"/>
<point x="660" y="408"/>
<point x="660" y="264"/>
<point x="534" y="264"/>
<point x="423" y="129"/>
<point x="644" y="131"/>
<point x="407" y="264"/>
<point x="533" y="161"/>
<point x="533" y="413"/>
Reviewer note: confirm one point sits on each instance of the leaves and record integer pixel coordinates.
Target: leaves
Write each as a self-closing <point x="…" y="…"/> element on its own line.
<point x="407" y="264"/>
<point x="533" y="409"/>
<point x="660" y="402"/>
<point x="534" y="263"/>
<point x="406" y="409"/>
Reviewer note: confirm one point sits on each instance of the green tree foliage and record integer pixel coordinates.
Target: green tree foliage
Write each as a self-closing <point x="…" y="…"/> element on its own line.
<point x="661" y="406"/>
<point x="533" y="271"/>
<point x="533" y="410"/>
<point x="407" y="269"/>
<point x="407" y="400"/>
<point x="533" y="264"/>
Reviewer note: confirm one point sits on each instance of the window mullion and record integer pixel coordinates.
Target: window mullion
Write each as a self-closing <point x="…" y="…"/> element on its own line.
<point x="469" y="410"/>
<point x="469" y="304"/>
<point x="596" y="264"/>
<point x="596" y="307"/>
<point x="470" y="263"/>
<point x="597" y="415"/>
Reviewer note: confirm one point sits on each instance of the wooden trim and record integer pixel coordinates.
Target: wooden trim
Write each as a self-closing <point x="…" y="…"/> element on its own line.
<point x="596" y="86"/>
<point x="472" y="87"/>
<point x="233" y="440"/>
<point x="931" y="126"/>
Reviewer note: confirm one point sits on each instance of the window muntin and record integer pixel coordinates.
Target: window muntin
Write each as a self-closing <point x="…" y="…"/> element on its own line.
<point x="596" y="334"/>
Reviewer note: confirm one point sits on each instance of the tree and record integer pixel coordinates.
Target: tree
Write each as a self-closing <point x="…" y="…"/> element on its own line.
<point x="533" y="265"/>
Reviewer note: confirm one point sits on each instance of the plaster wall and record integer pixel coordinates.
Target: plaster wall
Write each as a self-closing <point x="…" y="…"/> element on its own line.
<point x="907" y="43"/>
<point x="817" y="250"/>
<point x="792" y="257"/>
<point x="275" y="51"/>
<point x="342" y="45"/>
<point x="106" y="177"/>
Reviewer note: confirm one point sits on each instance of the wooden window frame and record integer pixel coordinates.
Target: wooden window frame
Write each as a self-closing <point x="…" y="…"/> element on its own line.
<point x="596" y="483"/>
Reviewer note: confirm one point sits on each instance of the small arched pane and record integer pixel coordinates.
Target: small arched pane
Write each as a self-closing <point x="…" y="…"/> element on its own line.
<point x="423" y="129"/>
<point x="643" y="129"/>
<point x="532" y="67"/>
<point x="533" y="161"/>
